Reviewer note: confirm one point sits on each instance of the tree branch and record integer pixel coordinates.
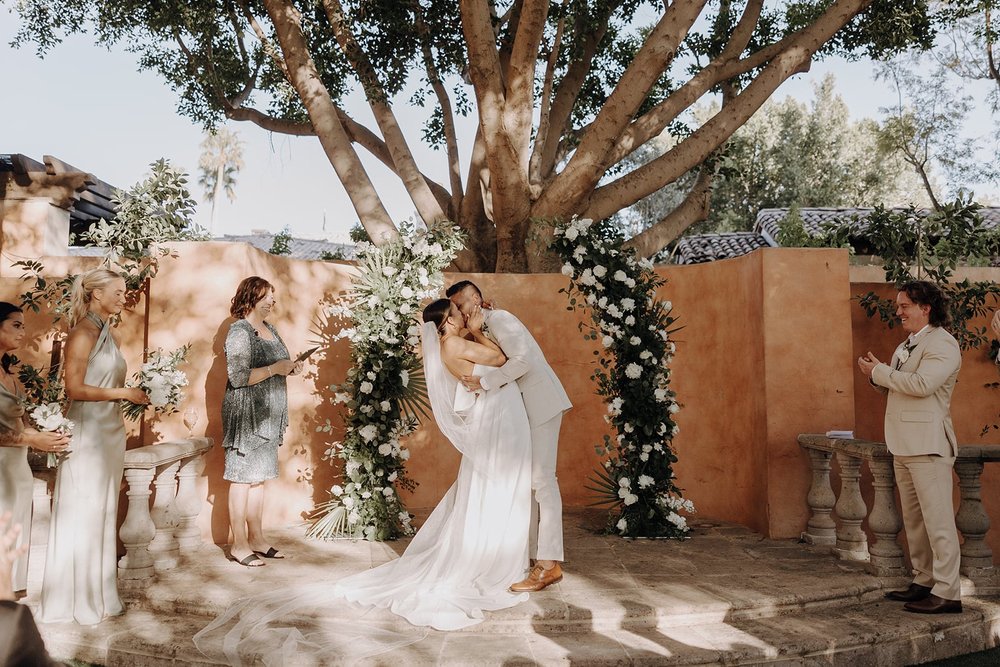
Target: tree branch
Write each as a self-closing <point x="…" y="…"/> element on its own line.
<point x="566" y="94"/>
<point x="315" y="97"/>
<point x="588" y="164"/>
<point x="447" y="115"/>
<point x="405" y="164"/>
<point x="266" y="43"/>
<point x="520" y="80"/>
<point x="694" y="208"/>
<point x="544" y="113"/>
<point x="665" y="169"/>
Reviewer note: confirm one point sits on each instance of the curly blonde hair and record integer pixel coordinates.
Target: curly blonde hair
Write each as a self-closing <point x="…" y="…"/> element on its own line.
<point x="250" y="291"/>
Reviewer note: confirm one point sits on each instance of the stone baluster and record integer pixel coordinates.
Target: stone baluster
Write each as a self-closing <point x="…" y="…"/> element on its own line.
<point x="188" y="504"/>
<point x="885" y="522"/>
<point x="136" y="566"/>
<point x="972" y="520"/>
<point x="164" y="515"/>
<point x="851" y="510"/>
<point x="821" y="529"/>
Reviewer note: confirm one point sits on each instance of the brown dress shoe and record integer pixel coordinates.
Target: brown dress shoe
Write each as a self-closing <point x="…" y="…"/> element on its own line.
<point x="538" y="579"/>
<point x="914" y="593"/>
<point x="934" y="605"/>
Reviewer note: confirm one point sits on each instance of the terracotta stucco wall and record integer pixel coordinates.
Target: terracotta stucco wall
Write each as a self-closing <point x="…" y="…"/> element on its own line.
<point x="767" y="351"/>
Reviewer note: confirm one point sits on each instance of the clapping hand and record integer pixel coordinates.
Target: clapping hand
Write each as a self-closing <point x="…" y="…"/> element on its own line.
<point x="867" y="363"/>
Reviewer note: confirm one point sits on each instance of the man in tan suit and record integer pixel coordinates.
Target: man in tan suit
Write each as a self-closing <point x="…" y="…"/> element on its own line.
<point x="919" y="380"/>
<point x="545" y="401"/>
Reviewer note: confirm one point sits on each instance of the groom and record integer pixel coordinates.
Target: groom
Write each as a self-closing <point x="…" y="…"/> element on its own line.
<point x="544" y="400"/>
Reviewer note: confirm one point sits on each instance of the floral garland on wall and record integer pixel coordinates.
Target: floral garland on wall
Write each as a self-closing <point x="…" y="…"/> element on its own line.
<point x="633" y="376"/>
<point x="384" y="392"/>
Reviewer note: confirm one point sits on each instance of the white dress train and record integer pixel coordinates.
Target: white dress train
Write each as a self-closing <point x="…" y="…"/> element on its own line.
<point x="458" y="566"/>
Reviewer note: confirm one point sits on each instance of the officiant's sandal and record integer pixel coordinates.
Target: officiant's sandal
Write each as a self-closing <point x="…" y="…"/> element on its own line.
<point x="538" y="579"/>
<point x="252" y="560"/>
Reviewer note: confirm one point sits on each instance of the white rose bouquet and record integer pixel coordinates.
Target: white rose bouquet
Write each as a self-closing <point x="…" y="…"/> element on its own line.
<point x="162" y="381"/>
<point x="49" y="417"/>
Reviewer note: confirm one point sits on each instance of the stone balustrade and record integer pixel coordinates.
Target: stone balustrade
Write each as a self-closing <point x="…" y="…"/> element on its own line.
<point x="155" y="535"/>
<point x="847" y="538"/>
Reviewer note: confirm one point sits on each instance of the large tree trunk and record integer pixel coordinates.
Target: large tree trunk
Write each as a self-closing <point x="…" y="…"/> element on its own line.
<point x="302" y="71"/>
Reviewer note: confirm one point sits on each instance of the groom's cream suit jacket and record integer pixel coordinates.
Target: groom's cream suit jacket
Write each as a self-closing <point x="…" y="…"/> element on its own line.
<point x="543" y="394"/>
<point x="917" y="414"/>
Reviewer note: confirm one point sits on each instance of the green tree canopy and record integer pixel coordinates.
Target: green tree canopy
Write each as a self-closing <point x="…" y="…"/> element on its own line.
<point x="563" y="92"/>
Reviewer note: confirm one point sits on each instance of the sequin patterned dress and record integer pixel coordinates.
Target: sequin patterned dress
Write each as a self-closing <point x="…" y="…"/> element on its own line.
<point x="254" y="417"/>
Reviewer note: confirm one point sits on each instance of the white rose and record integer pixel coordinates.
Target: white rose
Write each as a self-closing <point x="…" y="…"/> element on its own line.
<point x="385" y="449"/>
<point x="633" y="371"/>
<point x="631" y="499"/>
<point x="624" y="482"/>
<point x="367" y="387"/>
<point x="622" y="525"/>
<point x="348" y="502"/>
<point x="406" y="292"/>
<point x="600" y="271"/>
<point x="644" y="457"/>
<point x="368" y="432"/>
<point x="336" y="490"/>
<point x="635" y="340"/>
<point x="392" y="477"/>
<point x="572" y="233"/>
<point x="660" y="394"/>
<point x="629" y="321"/>
<point x="674" y="408"/>
<point x="608" y="341"/>
<point x="567" y="269"/>
<point x="628" y="304"/>
<point x="620" y="276"/>
<point x="405" y="309"/>
<point x="645" y="480"/>
<point x="387" y="492"/>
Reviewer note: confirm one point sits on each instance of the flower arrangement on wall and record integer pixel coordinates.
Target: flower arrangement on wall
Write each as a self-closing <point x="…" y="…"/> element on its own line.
<point x="636" y="480"/>
<point x="384" y="393"/>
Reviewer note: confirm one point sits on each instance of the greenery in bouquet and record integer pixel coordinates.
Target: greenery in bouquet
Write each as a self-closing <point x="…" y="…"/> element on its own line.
<point x="384" y="393"/>
<point x="162" y="380"/>
<point x="633" y="327"/>
<point x="45" y="403"/>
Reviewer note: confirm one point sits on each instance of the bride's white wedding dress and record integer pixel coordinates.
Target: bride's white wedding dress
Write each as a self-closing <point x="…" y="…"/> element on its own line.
<point x="475" y="542"/>
<point x="459" y="565"/>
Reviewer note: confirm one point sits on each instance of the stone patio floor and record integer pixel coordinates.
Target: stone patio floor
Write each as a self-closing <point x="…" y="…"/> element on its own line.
<point x="725" y="596"/>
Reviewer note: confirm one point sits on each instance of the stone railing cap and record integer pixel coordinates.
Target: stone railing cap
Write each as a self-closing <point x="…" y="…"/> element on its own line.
<point x="151" y="456"/>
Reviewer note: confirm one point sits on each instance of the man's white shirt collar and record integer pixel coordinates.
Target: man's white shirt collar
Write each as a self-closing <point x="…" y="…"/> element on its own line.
<point x="914" y="338"/>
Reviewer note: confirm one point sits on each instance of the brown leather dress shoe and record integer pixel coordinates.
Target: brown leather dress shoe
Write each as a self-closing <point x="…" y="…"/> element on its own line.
<point x="934" y="605"/>
<point x="914" y="593"/>
<point x="538" y="579"/>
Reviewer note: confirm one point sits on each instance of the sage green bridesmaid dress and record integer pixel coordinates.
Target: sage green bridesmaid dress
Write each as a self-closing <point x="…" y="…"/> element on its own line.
<point x="81" y="563"/>
<point x="15" y="479"/>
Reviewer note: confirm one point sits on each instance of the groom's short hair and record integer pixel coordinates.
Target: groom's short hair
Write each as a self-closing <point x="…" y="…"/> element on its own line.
<point x="461" y="285"/>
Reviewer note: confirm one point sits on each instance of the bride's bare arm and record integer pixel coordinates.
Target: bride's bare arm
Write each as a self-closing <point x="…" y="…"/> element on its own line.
<point x="473" y="352"/>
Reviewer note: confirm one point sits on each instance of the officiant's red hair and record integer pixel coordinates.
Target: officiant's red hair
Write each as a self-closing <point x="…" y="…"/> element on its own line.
<point x="250" y="291"/>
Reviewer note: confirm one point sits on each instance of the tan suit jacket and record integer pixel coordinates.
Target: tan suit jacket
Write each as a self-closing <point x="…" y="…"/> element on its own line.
<point x="543" y="394"/>
<point x="918" y="412"/>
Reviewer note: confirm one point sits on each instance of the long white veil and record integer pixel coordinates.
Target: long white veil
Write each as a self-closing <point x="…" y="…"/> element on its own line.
<point x="442" y="388"/>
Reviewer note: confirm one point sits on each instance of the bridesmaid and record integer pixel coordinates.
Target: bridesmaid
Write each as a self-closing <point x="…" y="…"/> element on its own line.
<point x="254" y="416"/>
<point x="81" y="577"/>
<point x="15" y="474"/>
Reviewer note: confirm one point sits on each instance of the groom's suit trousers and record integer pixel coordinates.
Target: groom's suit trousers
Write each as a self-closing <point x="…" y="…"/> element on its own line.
<point x="546" y="536"/>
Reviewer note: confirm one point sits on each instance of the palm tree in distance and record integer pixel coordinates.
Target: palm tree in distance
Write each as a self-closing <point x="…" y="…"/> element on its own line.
<point x="220" y="162"/>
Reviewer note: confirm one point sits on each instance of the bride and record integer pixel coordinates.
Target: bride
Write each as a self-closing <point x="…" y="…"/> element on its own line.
<point x="464" y="557"/>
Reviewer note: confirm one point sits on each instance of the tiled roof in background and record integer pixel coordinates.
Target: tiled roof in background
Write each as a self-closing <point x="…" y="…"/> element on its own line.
<point x="710" y="247"/>
<point x="813" y="219"/>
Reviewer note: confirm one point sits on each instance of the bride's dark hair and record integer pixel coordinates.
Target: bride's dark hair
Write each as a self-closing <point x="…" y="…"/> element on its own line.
<point x="437" y="312"/>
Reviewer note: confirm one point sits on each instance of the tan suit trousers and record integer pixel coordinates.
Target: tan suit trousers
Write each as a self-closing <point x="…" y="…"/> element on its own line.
<point x="925" y="493"/>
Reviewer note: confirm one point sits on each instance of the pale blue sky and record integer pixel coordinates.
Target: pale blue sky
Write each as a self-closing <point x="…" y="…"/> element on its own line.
<point x="93" y="109"/>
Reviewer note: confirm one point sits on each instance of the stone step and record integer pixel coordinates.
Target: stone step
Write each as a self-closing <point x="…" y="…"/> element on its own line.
<point x="877" y="633"/>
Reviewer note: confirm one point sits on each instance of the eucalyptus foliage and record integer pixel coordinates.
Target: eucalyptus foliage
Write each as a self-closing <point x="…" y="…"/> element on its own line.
<point x="384" y="393"/>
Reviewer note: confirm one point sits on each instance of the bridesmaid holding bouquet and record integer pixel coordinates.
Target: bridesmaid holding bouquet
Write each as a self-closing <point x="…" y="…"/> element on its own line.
<point x="81" y="573"/>
<point x="15" y="475"/>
